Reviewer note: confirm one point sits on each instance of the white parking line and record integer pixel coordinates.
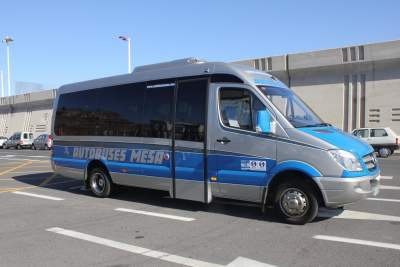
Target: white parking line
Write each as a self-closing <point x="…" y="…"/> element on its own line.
<point x="19" y="159"/>
<point x="161" y="215"/>
<point x="26" y="156"/>
<point x="384" y="199"/>
<point x="386" y="177"/>
<point x="357" y="215"/>
<point x="389" y="187"/>
<point x="163" y="256"/>
<point x="37" y="195"/>
<point x="357" y="241"/>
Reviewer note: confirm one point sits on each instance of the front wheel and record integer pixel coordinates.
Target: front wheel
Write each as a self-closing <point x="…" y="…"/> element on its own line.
<point x="100" y="182"/>
<point x="296" y="202"/>
<point x="384" y="152"/>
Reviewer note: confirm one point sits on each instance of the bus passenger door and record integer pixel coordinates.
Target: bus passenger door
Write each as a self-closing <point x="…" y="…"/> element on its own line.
<point x="189" y="140"/>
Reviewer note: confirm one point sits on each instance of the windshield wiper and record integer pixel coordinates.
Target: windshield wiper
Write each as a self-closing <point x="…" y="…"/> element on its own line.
<point x="315" y="125"/>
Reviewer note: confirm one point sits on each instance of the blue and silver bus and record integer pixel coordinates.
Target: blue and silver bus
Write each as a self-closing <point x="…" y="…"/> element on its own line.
<point x="204" y="130"/>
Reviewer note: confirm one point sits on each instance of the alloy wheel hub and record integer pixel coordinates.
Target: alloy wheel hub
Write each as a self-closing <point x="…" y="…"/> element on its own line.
<point x="294" y="202"/>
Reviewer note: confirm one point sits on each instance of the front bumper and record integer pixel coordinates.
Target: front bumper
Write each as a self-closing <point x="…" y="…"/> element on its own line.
<point x="338" y="191"/>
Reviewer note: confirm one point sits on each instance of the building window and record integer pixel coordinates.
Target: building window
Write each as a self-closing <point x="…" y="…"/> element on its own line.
<point x="361" y="52"/>
<point x="353" y="53"/>
<point x="346" y="103"/>
<point x="354" y="102"/>
<point x="362" y="100"/>
<point x="269" y="63"/>
<point x="257" y="64"/>
<point x="263" y="64"/>
<point x="374" y="115"/>
<point x="395" y="114"/>
<point x="345" y="55"/>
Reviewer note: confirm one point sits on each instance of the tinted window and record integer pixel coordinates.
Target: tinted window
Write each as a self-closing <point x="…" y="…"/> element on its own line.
<point x="190" y="111"/>
<point x="109" y="111"/>
<point x="120" y="110"/>
<point x="76" y="113"/>
<point x="239" y="107"/>
<point x="378" y="133"/>
<point x="158" y="111"/>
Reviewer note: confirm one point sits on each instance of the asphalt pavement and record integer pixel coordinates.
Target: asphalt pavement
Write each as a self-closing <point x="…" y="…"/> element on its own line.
<point x="46" y="220"/>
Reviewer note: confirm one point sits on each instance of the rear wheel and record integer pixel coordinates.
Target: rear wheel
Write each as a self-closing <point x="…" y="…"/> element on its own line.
<point x="100" y="182"/>
<point x="46" y="147"/>
<point x="384" y="152"/>
<point x="296" y="202"/>
<point x="19" y="147"/>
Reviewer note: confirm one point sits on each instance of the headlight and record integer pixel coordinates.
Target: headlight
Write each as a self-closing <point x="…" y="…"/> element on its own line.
<point x="346" y="159"/>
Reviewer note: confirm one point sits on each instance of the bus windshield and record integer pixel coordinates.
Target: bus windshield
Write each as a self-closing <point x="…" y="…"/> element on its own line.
<point x="292" y="107"/>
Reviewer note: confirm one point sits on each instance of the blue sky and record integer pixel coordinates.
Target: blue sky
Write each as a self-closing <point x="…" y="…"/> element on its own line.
<point x="58" y="42"/>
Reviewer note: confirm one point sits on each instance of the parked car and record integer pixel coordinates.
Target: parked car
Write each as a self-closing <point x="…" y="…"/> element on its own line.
<point x="3" y="139"/>
<point x="43" y="141"/>
<point x="384" y="140"/>
<point x="19" y="140"/>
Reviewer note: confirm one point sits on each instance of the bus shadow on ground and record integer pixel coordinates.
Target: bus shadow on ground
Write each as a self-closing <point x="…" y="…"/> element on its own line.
<point x="157" y="198"/>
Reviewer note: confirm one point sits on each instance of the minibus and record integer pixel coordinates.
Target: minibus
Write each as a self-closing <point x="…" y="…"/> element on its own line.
<point x="205" y="130"/>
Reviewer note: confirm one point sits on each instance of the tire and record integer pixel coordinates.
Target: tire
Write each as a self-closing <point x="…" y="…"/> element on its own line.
<point x="100" y="182"/>
<point x="384" y="152"/>
<point x="19" y="147"/>
<point x="46" y="147"/>
<point x="300" y="194"/>
<point x="33" y="147"/>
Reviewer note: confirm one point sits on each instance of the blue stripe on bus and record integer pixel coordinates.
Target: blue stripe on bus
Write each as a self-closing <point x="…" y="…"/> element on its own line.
<point x="69" y="162"/>
<point x="227" y="167"/>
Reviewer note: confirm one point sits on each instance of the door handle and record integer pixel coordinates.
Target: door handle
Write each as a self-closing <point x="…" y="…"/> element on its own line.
<point x="223" y="141"/>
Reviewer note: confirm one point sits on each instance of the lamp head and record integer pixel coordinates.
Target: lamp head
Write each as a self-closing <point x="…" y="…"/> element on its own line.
<point x="7" y="40"/>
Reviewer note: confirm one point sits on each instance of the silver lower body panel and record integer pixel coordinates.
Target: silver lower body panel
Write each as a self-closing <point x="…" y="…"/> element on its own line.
<point x="340" y="191"/>
<point x="250" y="193"/>
<point x="151" y="182"/>
<point x="192" y="190"/>
<point x="68" y="172"/>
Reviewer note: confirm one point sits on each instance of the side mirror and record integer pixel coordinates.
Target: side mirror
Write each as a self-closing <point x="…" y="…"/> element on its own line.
<point x="264" y="122"/>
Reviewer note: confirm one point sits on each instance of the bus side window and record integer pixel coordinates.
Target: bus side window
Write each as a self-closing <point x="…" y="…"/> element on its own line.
<point x="158" y="112"/>
<point x="239" y="107"/>
<point x="190" y="111"/>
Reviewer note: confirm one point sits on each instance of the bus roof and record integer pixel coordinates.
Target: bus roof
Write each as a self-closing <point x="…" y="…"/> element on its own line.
<point x="187" y="67"/>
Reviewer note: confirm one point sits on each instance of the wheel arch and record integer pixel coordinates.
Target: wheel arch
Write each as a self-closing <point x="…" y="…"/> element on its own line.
<point x="289" y="174"/>
<point x="93" y="164"/>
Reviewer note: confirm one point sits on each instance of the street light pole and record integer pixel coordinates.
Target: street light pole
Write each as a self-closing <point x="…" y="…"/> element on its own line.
<point x="8" y="40"/>
<point x="129" y="56"/>
<point x="127" y="39"/>
<point x="8" y="71"/>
